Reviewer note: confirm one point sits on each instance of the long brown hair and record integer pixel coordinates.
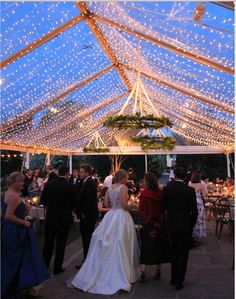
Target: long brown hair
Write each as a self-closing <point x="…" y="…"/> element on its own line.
<point x="196" y="177"/>
<point x="151" y="181"/>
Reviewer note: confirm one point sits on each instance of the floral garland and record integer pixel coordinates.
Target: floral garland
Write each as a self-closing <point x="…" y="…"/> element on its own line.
<point x="154" y="143"/>
<point x="96" y="149"/>
<point x="137" y="121"/>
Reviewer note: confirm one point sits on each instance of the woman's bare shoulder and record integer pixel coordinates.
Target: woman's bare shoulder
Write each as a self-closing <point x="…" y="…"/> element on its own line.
<point x="124" y="187"/>
<point x="11" y="196"/>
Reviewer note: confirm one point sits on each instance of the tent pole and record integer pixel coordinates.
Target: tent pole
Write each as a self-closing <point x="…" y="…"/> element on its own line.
<point x="23" y="163"/>
<point x="27" y="160"/>
<point x="228" y="165"/>
<point x="146" y="163"/>
<point x="48" y="162"/>
<point x="70" y="163"/>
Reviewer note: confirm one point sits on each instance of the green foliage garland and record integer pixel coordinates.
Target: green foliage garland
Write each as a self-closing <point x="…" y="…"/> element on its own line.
<point x="154" y="143"/>
<point x="96" y="150"/>
<point x="137" y="121"/>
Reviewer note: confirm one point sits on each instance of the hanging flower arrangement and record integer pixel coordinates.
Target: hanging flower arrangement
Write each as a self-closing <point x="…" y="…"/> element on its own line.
<point x="154" y="143"/>
<point x="96" y="145"/>
<point x="139" y="100"/>
<point x="137" y="121"/>
<point x="96" y="150"/>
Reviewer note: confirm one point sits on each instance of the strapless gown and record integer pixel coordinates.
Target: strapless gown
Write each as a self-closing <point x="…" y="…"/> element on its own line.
<point x="113" y="258"/>
<point x="22" y="265"/>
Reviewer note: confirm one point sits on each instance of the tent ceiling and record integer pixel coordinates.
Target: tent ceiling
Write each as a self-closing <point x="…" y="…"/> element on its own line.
<point x="66" y="70"/>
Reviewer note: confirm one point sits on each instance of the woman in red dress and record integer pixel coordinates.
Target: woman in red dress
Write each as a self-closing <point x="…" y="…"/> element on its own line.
<point x="154" y="238"/>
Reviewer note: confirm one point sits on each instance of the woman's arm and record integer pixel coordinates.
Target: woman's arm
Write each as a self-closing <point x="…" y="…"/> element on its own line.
<point x="204" y="192"/>
<point x="106" y="200"/>
<point x="12" y="203"/>
<point x="124" y="198"/>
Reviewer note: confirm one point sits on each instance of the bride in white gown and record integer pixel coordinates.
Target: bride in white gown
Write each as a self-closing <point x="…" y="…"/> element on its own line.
<point x="113" y="256"/>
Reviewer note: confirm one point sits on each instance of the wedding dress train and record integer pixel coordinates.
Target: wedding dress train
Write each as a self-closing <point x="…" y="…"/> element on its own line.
<point x="113" y="258"/>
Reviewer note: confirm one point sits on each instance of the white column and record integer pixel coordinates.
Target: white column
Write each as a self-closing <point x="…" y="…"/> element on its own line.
<point x="48" y="159"/>
<point x="27" y="160"/>
<point x="228" y="165"/>
<point x="70" y="163"/>
<point x="146" y="163"/>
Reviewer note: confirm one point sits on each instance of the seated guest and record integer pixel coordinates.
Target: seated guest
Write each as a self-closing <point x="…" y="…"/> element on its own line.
<point x="22" y="266"/>
<point x="154" y="239"/>
<point x="230" y="186"/>
<point x="219" y="181"/>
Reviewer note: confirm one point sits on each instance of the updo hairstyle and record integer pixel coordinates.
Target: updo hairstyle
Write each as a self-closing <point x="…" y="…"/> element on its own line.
<point x="13" y="178"/>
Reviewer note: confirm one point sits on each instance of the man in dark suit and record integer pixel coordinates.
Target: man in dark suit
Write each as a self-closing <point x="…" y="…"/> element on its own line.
<point x="180" y="202"/>
<point x="74" y="178"/>
<point x="87" y="207"/>
<point x="59" y="198"/>
<point x="50" y="173"/>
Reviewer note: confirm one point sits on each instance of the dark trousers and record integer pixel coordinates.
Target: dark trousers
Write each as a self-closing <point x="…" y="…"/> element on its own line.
<point x="180" y="244"/>
<point x="86" y="228"/>
<point x="52" y="234"/>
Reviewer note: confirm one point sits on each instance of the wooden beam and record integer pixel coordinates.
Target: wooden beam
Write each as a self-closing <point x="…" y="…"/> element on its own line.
<point x="228" y="5"/>
<point x="187" y="54"/>
<point x="202" y="98"/>
<point x="56" y="99"/>
<point x="223" y="131"/>
<point x="193" y="124"/>
<point x="45" y="38"/>
<point x="85" y="135"/>
<point x="81" y="115"/>
<point x="103" y="41"/>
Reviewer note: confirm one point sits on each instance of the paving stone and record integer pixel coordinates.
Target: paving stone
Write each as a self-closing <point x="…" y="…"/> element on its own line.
<point x="209" y="274"/>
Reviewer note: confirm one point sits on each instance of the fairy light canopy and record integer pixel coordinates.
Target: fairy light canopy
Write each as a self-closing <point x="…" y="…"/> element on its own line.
<point x="67" y="66"/>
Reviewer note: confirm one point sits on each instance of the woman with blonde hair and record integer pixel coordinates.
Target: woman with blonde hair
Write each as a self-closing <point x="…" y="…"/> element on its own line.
<point x="22" y="265"/>
<point x="113" y="257"/>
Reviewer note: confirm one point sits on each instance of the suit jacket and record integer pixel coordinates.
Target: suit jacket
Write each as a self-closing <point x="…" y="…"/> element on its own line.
<point x="180" y="202"/>
<point x="59" y="197"/>
<point x="71" y="180"/>
<point x="52" y="176"/>
<point x="87" y="204"/>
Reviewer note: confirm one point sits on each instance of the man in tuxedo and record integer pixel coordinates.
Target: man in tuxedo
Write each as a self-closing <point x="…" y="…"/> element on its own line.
<point x="87" y="207"/>
<point x="50" y="173"/>
<point x="179" y="200"/>
<point x="59" y="197"/>
<point x="74" y="178"/>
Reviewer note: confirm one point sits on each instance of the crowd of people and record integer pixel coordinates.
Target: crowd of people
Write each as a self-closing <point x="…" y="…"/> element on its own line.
<point x="172" y="217"/>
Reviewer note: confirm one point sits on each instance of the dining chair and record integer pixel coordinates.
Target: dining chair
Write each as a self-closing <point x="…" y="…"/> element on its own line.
<point x="222" y="215"/>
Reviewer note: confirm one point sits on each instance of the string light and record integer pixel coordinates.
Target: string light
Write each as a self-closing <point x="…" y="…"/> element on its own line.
<point x="75" y="55"/>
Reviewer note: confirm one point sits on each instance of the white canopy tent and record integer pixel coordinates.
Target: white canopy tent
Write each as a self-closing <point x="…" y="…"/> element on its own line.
<point x="65" y="71"/>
